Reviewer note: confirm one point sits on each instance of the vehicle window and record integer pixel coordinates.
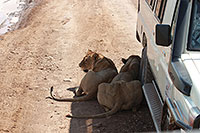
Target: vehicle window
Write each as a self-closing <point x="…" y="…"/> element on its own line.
<point x="151" y="3"/>
<point x="148" y="1"/>
<point x="174" y="21"/>
<point x="195" y="27"/>
<point x="160" y="8"/>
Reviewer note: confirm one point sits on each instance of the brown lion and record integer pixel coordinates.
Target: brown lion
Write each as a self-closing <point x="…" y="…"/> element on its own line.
<point x="130" y="69"/>
<point x="123" y="93"/>
<point x="99" y="70"/>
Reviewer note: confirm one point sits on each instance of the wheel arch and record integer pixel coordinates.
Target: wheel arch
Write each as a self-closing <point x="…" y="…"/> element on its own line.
<point x="144" y="40"/>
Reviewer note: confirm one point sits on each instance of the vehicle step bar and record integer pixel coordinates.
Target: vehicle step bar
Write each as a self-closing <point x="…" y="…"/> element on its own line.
<point x="154" y="103"/>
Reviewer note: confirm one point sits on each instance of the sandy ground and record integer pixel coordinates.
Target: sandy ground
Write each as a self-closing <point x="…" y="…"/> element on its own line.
<point x="46" y="52"/>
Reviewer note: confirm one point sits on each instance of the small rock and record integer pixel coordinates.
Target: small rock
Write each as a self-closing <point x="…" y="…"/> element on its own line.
<point x="13" y="52"/>
<point x="41" y="68"/>
<point x="65" y="21"/>
<point x="4" y="130"/>
<point x="62" y="127"/>
<point x="67" y="80"/>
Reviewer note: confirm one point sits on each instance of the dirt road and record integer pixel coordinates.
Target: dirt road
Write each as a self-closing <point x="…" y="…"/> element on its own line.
<point x="46" y="52"/>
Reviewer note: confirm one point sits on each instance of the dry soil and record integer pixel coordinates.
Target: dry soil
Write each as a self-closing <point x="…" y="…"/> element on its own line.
<point x="46" y="51"/>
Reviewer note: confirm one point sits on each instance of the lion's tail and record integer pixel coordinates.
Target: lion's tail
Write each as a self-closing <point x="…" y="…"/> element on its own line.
<point x="106" y="114"/>
<point x="82" y="98"/>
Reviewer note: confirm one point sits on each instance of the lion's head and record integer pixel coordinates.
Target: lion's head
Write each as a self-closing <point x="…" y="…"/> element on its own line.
<point x="89" y="60"/>
<point x="132" y="63"/>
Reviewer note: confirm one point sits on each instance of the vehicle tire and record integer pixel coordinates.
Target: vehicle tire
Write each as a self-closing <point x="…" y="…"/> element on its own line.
<point x="167" y="122"/>
<point x="137" y="36"/>
<point x="145" y="70"/>
<point x="164" y="119"/>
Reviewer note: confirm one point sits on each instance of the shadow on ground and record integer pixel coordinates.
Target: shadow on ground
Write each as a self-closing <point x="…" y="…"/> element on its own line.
<point x="122" y="122"/>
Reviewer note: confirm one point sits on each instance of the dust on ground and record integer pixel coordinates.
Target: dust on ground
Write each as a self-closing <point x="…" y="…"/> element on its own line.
<point x="46" y="51"/>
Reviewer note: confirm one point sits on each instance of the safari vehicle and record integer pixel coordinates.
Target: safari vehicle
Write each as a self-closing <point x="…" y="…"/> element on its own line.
<point x="169" y="31"/>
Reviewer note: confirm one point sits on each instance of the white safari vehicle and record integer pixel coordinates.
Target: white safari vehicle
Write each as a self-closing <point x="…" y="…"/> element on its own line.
<point x="169" y="31"/>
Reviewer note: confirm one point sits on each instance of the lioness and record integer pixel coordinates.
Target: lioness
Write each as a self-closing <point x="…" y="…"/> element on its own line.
<point x="123" y="93"/>
<point x="130" y="69"/>
<point x="99" y="70"/>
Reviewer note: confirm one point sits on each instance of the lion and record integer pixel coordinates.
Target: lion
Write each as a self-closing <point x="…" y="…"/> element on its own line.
<point x="99" y="70"/>
<point x="123" y="93"/>
<point x="130" y="69"/>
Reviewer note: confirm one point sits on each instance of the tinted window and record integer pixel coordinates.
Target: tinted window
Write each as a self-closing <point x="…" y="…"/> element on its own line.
<point x="160" y="7"/>
<point x="151" y="3"/>
<point x="174" y="21"/>
<point x="194" y="43"/>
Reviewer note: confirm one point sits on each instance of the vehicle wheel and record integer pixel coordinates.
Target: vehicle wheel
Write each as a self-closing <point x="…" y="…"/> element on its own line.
<point x="137" y="36"/>
<point x="167" y="122"/>
<point x="145" y="70"/>
<point x="164" y="119"/>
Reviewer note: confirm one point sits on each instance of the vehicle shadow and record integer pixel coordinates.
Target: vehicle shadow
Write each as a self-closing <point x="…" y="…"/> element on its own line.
<point x="84" y="108"/>
<point x="85" y="125"/>
<point x="123" y="121"/>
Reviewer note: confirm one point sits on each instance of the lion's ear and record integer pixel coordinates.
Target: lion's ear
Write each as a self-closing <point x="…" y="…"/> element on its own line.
<point x="96" y="56"/>
<point x="89" y="51"/>
<point x="124" y="60"/>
